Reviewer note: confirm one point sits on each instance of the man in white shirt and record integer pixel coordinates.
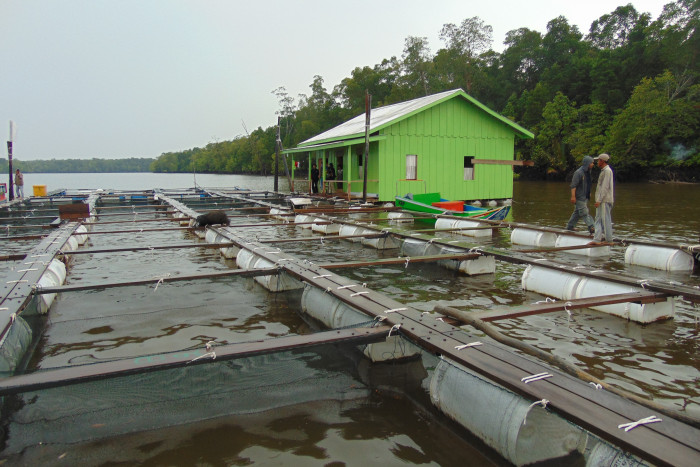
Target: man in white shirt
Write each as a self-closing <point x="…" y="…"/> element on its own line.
<point x="604" y="200"/>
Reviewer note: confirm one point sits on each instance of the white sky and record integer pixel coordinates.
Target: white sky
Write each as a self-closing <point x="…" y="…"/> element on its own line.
<point x="136" y="78"/>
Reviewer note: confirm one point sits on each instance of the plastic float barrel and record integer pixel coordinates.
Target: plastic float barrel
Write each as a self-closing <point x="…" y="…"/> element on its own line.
<point x="472" y="267"/>
<point x="336" y="314"/>
<point x="666" y="259"/>
<point x="278" y="213"/>
<point x="445" y="223"/>
<point x="81" y="234"/>
<point x="572" y="240"/>
<point x="54" y="276"/>
<point x="214" y="237"/>
<point x="492" y="203"/>
<point x="521" y="433"/>
<point x="346" y="230"/>
<point x="304" y="219"/>
<point x="521" y="236"/>
<point x="414" y="247"/>
<point x="14" y="343"/>
<point x="327" y="229"/>
<point x="567" y="286"/>
<point x="386" y="242"/>
<point x="246" y="259"/>
<point x="400" y="217"/>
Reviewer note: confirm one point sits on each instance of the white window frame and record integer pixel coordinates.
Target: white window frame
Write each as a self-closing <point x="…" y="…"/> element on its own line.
<point x="411" y="167"/>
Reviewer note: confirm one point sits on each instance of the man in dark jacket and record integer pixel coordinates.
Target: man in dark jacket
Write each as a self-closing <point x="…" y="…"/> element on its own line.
<point x="314" y="178"/>
<point x="580" y="194"/>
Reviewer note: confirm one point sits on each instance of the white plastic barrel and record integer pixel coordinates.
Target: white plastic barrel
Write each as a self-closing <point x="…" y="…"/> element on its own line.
<point x="413" y="247"/>
<point x="381" y="243"/>
<point x="304" y="220"/>
<point x="15" y="343"/>
<point x="54" y="276"/>
<point x="567" y="286"/>
<point x="666" y="259"/>
<point x="215" y="237"/>
<point x="445" y="223"/>
<point x="572" y="240"/>
<point x="326" y="229"/>
<point x="471" y="267"/>
<point x="246" y="259"/>
<point x="346" y="230"/>
<point x="521" y="433"/>
<point x="336" y="314"/>
<point x="530" y="237"/>
<point x="81" y="234"/>
<point x="400" y="217"/>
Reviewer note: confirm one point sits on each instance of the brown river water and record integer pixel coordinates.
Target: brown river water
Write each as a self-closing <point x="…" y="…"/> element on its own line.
<point x="324" y="406"/>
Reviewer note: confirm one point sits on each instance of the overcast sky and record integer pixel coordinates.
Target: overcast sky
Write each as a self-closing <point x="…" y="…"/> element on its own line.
<point x="136" y="78"/>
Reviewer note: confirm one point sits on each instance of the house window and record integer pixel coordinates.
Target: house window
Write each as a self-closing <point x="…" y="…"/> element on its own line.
<point x="468" y="168"/>
<point x="411" y="166"/>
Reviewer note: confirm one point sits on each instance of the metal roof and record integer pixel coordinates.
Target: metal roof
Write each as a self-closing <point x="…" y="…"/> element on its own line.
<point x="383" y="116"/>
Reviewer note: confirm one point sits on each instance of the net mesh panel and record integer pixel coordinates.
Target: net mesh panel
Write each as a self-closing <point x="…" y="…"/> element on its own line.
<point x="110" y="407"/>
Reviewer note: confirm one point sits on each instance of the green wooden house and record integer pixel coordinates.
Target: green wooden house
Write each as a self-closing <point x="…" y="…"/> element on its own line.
<point x="447" y="142"/>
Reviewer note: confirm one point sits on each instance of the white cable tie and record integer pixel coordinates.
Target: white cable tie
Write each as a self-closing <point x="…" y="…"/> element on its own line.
<point x="328" y="290"/>
<point x="25" y="270"/>
<point x="597" y="386"/>
<point x="643" y="421"/>
<point x="465" y="346"/>
<point x="13" y="316"/>
<point x="160" y="281"/>
<point x="567" y="304"/>
<point x="407" y="261"/>
<point x="394" y="327"/>
<point x="322" y="241"/>
<point x="542" y="402"/>
<point x="394" y="310"/>
<point x="211" y="354"/>
<point x="440" y="319"/>
<point x="322" y="276"/>
<point x="16" y="281"/>
<point x="346" y="286"/>
<point x="359" y="293"/>
<point x="364" y="284"/>
<point x="209" y="345"/>
<point x="540" y="260"/>
<point x="4" y="308"/>
<point x="379" y="318"/>
<point x="537" y="377"/>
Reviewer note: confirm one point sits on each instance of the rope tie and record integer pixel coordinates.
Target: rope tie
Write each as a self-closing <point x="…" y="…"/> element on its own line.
<point x="394" y="327"/>
<point x="211" y="354"/>
<point x="643" y="283"/>
<point x="597" y="386"/>
<point x="546" y="300"/>
<point x="322" y="276"/>
<point x="542" y="402"/>
<point x="358" y="293"/>
<point x="439" y="319"/>
<point x="537" y="377"/>
<point x="394" y="310"/>
<point x="643" y="421"/>
<point x="379" y="319"/>
<point x="160" y="280"/>
<point x="25" y="270"/>
<point x="466" y="346"/>
<point x="328" y="290"/>
<point x="408" y="259"/>
<point x="16" y="281"/>
<point x="568" y="312"/>
<point x="346" y="286"/>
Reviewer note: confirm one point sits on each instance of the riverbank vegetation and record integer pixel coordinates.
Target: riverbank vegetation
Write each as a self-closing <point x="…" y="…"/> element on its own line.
<point x="94" y="165"/>
<point x="628" y="87"/>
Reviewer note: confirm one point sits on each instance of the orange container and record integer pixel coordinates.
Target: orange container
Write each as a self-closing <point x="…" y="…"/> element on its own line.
<point x="450" y="205"/>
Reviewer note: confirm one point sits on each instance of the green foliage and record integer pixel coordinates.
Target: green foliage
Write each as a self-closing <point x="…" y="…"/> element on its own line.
<point x="132" y="164"/>
<point x="628" y="88"/>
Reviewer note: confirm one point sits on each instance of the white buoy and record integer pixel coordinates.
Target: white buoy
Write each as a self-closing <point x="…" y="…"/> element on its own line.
<point x="572" y="240"/>
<point x="568" y="286"/>
<point x="246" y="259"/>
<point x="666" y="259"/>
<point x="468" y="225"/>
<point x="335" y="314"/>
<point x="54" y="276"/>
<point x="522" y="236"/>
<point x="521" y="432"/>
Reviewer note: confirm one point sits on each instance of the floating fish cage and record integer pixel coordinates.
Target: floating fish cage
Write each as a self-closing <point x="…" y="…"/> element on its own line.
<point x="133" y="332"/>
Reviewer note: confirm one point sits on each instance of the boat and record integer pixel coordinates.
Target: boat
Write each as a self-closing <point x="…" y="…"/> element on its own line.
<point x="433" y="203"/>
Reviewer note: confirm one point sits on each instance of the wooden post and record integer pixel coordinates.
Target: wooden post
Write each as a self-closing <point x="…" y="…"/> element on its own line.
<point x="368" y="106"/>
<point x="277" y="156"/>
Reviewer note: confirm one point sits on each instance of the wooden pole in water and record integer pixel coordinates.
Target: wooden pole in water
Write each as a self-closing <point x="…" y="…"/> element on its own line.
<point x="9" y="161"/>
<point x="277" y="156"/>
<point x="368" y="106"/>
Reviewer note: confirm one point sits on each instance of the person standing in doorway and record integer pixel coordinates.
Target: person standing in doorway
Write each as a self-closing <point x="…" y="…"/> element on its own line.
<point x="19" y="184"/>
<point x="580" y="194"/>
<point x="314" y="178"/>
<point x="604" y="200"/>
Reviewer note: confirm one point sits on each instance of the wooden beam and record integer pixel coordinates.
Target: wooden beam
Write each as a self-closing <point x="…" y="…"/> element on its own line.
<point x="156" y="280"/>
<point x="559" y="305"/>
<point x="502" y="162"/>
<point x="143" y="248"/>
<point x="401" y="260"/>
<point x="44" y="379"/>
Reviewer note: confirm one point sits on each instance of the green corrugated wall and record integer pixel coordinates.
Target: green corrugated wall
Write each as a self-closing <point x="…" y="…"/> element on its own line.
<point x="442" y="136"/>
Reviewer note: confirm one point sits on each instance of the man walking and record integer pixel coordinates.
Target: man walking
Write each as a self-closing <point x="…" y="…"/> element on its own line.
<point x="580" y="194"/>
<point x="604" y="200"/>
<point x="19" y="184"/>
